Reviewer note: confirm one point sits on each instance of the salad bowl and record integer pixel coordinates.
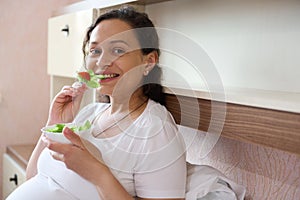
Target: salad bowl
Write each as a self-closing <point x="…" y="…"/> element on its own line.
<point x="54" y="132"/>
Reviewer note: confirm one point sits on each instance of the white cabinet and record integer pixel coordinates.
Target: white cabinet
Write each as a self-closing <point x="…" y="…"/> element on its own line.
<point x="13" y="175"/>
<point x="65" y="37"/>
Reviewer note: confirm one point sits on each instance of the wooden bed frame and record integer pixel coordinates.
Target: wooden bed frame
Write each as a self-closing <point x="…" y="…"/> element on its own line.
<point x="258" y="148"/>
<point x="273" y="128"/>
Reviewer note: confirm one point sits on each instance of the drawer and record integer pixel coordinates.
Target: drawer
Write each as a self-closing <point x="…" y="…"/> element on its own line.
<point x="13" y="175"/>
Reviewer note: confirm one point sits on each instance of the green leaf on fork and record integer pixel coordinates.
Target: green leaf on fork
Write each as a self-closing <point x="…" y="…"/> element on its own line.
<point x="90" y="78"/>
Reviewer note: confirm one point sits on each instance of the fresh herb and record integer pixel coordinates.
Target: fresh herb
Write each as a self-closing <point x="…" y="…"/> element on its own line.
<point x="58" y="128"/>
<point x="90" y="78"/>
<point x="87" y="125"/>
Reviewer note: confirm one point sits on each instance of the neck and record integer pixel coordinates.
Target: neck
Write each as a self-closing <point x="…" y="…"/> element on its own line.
<point x="127" y="105"/>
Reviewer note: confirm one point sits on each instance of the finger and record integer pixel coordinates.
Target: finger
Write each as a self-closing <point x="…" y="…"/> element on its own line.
<point x="54" y="146"/>
<point x="58" y="147"/>
<point x="74" y="92"/>
<point x="77" y="84"/>
<point x="70" y="91"/>
<point x="83" y="88"/>
<point x="48" y="141"/>
<point x="73" y="137"/>
<point x="57" y="156"/>
<point x="45" y="140"/>
<point x="64" y="95"/>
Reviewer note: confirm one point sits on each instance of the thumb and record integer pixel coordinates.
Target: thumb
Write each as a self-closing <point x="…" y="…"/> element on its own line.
<point x="80" y="89"/>
<point x="73" y="137"/>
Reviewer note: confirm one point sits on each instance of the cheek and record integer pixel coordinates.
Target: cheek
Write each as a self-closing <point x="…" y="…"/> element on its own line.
<point x="130" y="64"/>
<point x="132" y="74"/>
<point x="89" y="63"/>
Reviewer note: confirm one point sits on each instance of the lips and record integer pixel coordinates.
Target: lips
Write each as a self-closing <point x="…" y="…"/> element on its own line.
<point x="112" y="75"/>
<point x="105" y="77"/>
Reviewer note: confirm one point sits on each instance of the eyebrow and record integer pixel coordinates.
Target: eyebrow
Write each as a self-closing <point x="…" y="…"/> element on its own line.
<point x="119" y="41"/>
<point x="112" y="42"/>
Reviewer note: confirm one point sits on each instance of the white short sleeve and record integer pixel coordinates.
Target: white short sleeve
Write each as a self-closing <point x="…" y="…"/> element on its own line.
<point x="162" y="170"/>
<point x="168" y="182"/>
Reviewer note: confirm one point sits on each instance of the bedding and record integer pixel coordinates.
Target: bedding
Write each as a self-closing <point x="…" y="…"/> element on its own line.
<point x="207" y="183"/>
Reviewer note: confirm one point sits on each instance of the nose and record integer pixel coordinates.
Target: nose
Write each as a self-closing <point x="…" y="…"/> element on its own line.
<point x="104" y="60"/>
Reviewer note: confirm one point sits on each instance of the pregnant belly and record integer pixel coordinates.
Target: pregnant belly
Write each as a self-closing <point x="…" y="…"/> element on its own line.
<point x="66" y="179"/>
<point x="40" y="187"/>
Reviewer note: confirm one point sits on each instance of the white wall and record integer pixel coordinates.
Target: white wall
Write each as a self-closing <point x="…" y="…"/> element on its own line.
<point x="253" y="44"/>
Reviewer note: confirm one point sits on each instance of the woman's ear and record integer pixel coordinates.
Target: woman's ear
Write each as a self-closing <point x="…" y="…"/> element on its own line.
<point x="151" y="60"/>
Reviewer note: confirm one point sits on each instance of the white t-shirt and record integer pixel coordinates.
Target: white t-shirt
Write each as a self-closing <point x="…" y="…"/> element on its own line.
<point x="148" y="159"/>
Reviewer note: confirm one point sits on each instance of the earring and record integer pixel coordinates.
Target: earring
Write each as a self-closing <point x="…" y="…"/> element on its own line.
<point x="146" y="73"/>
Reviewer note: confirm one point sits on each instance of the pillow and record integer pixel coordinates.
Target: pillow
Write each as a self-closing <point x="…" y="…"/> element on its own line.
<point x="207" y="183"/>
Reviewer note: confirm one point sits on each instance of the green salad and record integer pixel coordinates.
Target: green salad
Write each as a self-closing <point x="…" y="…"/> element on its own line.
<point x="58" y="128"/>
<point x="90" y="78"/>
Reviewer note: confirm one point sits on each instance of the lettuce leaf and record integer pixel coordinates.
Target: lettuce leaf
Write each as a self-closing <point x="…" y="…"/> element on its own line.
<point x="58" y="128"/>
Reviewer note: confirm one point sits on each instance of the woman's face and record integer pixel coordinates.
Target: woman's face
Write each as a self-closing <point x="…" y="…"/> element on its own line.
<point x="114" y="52"/>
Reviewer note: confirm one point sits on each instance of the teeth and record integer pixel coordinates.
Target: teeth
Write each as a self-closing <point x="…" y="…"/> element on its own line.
<point x="110" y="75"/>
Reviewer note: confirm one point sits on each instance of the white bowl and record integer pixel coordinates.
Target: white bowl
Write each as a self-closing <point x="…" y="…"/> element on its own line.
<point x="57" y="137"/>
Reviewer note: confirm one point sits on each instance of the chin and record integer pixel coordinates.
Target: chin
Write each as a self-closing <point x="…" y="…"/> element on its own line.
<point x="104" y="91"/>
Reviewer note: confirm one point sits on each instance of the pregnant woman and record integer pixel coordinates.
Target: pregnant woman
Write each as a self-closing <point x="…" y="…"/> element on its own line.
<point x="134" y="150"/>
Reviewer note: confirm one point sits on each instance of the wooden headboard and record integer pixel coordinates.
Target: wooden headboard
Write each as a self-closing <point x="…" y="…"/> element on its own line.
<point x="258" y="148"/>
<point x="272" y="128"/>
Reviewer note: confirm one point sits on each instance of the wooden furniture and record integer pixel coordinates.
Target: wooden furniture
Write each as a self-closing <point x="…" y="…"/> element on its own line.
<point x="258" y="147"/>
<point x="272" y="128"/>
<point x="15" y="161"/>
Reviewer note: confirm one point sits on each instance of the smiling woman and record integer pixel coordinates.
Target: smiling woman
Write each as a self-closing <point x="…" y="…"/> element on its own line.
<point x="112" y="52"/>
<point x="133" y="149"/>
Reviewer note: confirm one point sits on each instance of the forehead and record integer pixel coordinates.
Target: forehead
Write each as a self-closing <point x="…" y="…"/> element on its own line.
<point x="113" y="29"/>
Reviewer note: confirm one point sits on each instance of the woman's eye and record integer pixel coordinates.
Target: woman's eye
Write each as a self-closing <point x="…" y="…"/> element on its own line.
<point x="95" y="52"/>
<point x="118" y="51"/>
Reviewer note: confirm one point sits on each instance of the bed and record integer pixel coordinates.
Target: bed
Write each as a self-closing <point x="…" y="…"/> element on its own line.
<point x="258" y="148"/>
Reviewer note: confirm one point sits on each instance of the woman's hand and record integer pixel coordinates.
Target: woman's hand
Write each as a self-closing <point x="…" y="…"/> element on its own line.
<point x="85" y="159"/>
<point x="66" y="104"/>
<point x="80" y="156"/>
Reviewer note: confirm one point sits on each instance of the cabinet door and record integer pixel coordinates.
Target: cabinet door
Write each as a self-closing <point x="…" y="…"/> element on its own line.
<point x="65" y="37"/>
<point x="13" y="175"/>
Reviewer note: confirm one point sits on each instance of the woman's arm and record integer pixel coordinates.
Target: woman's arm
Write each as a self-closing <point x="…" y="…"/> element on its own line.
<point x="31" y="169"/>
<point x="63" y="109"/>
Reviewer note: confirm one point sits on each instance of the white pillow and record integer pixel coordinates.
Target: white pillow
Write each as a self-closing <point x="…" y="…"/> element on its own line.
<point x="207" y="183"/>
